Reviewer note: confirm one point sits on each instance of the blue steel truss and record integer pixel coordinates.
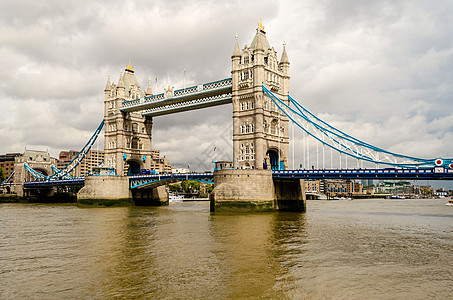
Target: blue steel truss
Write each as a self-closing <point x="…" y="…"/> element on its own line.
<point x="35" y="173"/>
<point x="194" y="97"/>
<point x="188" y="105"/>
<point x="55" y="182"/>
<point x="346" y="144"/>
<point x="8" y="179"/>
<point x="64" y="173"/>
<point x="136" y="182"/>
<point x="144" y="180"/>
<point x="436" y="173"/>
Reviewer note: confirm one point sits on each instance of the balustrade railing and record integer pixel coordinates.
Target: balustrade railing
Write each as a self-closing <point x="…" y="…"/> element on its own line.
<point x="187" y="104"/>
<point x="212" y="86"/>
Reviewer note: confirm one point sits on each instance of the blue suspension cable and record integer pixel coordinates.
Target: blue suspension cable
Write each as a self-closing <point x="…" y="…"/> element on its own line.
<point x="343" y="135"/>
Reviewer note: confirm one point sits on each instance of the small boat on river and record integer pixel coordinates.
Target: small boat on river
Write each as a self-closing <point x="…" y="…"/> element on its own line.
<point x="450" y="202"/>
<point x="175" y="198"/>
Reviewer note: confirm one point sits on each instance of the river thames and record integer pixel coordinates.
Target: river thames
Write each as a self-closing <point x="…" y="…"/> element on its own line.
<point x="374" y="249"/>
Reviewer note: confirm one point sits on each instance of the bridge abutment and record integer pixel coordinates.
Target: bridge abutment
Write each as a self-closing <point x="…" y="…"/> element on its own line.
<point x="105" y="191"/>
<point x="157" y="196"/>
<point x="114" y="191"/>
<point x="252" y="190"/>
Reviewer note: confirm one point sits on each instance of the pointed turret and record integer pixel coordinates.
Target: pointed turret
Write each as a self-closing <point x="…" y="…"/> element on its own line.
<point x="149" y="91"/>
<point x="121" y="81"/>
<point x="120" y="88"/>
<point x="259" y="44"/>
<point x="108" y="86"/>
<point x="237" y="51"/>
<point x="284" y="58"/>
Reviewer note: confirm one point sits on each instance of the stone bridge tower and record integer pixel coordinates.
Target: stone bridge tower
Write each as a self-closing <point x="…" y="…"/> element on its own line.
<point x="260" y="130"/>
<point x="127" y="142"/>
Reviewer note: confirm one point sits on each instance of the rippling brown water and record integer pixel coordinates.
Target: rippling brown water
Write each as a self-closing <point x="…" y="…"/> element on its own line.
<point x="378" y="249"/>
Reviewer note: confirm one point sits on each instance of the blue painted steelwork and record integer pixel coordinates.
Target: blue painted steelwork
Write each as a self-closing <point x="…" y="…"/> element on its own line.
<point x="64" y="173"/>
<point x="214" y="92"/>
<point x="56" y="170"/>
<point x="80" y="156"/>
<point x="188" y="105"/>
<point x="8" y="179"/>
<point x="143" y="180"/>
<point x="436" y="173"/>
<point x="35" y="173"/>
<point x="54" y="182"/>
<point x="344" y="143"/>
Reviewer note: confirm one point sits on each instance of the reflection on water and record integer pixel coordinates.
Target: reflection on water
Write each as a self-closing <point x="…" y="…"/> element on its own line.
<point x="337" y="249"/>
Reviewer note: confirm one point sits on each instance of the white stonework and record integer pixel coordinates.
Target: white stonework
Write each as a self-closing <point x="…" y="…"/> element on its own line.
<point x="127" y="134"/>
<point x="260" y="131"/>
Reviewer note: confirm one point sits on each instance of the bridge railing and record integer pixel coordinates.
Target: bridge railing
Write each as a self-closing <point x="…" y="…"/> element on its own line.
<point x="186" y="105"/>
<point x="440" y="173"/>
<point x="143" y="180"/>
<point x="193" y="90"/>
<point x="55" y="182"/>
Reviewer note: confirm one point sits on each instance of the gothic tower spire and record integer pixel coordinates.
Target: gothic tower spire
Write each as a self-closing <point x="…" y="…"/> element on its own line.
<point x="149" y="91"/>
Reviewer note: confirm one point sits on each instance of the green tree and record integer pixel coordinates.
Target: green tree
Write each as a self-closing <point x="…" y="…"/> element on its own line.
<point x="175" y="187"/>
<point x="2" y="174"/>
<point x="190" y="186"/>
<point x="427" y="191"/>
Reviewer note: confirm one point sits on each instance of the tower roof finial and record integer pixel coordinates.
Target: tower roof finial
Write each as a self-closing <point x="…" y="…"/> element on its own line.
<point x="260" y="26"/>
<point x="236" y="52"/>
<point x="129" y="67"/>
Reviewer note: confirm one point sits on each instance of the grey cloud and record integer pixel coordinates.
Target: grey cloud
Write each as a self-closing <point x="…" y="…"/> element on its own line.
<point x="379" y="69"/>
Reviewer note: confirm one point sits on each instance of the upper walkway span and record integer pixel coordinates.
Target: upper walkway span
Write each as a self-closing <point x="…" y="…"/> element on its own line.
<point x="194" y="97"/>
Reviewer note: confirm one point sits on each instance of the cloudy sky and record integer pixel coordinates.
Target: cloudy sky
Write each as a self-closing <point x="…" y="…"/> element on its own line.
<point x="379" y="70"/>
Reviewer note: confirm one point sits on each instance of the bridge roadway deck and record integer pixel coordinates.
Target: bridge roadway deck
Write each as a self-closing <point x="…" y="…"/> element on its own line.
<point x="437" y="173"/>
<point x="139" y="181"/>
<point x="194" y="97"/>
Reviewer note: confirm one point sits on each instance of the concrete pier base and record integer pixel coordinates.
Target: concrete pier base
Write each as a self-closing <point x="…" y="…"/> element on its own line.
<point x="290" y="194"/>
<point x="238" y="190"/>
<point x="114" y="191"/>
<point x="156" y="196"/>
<point x="105" y="191"/>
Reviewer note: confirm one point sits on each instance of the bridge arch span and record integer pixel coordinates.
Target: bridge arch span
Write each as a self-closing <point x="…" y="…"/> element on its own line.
<point x="272" y="159"/>
<point x="134" y="166"/>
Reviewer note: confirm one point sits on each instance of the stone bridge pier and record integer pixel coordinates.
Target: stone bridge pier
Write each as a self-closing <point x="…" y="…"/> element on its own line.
<point x="249" y="190"/>
<point x="114" y="190"/>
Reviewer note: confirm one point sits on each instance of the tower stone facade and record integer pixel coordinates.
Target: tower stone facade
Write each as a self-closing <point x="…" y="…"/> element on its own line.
<point x="260" y="130"/>
<point x="127" y="141"/>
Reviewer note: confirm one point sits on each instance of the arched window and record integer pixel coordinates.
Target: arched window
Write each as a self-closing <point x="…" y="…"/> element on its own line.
<point x="134" y="143"/>
<point x="274" y="127"/>
<point x="135" y="127"/>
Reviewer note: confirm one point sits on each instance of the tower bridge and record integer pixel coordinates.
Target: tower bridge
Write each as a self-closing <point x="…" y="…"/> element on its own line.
<point x="258" y="90"/>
